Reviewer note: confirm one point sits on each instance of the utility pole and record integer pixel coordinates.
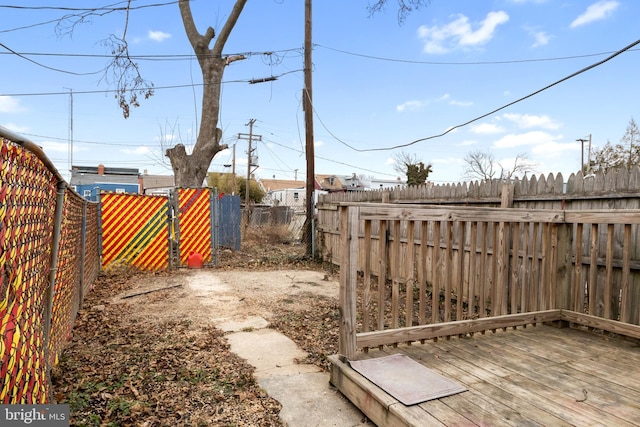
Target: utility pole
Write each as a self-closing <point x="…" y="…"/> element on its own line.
<point x="250" y="137"/>
<point x="582" y="168"/>
<point x="233" y="171"/>
<point x="589" y="157"/>
<point x="71" y="131"/>
<point x="308" y="120"/>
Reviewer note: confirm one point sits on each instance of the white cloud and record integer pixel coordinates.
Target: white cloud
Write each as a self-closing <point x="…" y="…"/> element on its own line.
<point x="10" y="105"/>
<point x="143" y="149"/>
<point x="486" y="129"/>
<point x="535" y="138"/>
<point x="318" y="143"/>
<point x="554" y="148"/>
<point x="460" y="33"/>
<point x="409" y="106"/>
<point x="447" y="161"/>
<point x="390" y="161"/>
<point x="466" y="143"/>
<point x="166" y="138"/>
<point x="455" y="102"/>
<point x="158" y="36"/>
<point x="16" y="128"/>
<point x="526" y="121"/>
<point x="460" y="103"/>
<point x="415" y="105"/>
<point x="540" y="38"/>
<point x="595" y="12"/>
<point x="59" y="147"/>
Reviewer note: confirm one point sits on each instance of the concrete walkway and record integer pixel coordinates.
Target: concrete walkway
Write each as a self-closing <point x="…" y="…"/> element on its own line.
<point x="307" y="398"/>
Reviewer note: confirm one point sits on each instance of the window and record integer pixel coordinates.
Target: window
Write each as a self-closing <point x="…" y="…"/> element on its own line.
<point x="86" y="193"/>
<point x="295" y="196"/>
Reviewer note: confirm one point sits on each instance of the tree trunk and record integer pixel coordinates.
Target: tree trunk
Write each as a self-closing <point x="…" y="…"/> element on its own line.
<point x="190" y="170"/>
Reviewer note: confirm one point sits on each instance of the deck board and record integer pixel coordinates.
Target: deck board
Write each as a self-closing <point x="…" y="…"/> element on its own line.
<point x="519" y="377"/>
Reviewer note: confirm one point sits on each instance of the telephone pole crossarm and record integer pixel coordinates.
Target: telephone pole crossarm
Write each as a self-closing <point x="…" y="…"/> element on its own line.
<point x="250" y="137"/>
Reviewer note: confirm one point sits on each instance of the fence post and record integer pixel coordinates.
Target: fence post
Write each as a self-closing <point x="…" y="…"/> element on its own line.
<point x="214" y="221"/>
<point x="563" y="267"/>
<point x="55" y="245"/>
<point x="83" y="254"/>
<point x="348" y="279"/>
<point x="174" y="229"/>
<point x="99" y="222"/>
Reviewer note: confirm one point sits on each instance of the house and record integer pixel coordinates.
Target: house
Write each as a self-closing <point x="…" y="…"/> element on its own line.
<point x="157" y="184"/>
<point x="284" y="192"/>
<point x="89" y="181"/>
<point x="354" y="183"/>
<point x="329" y="183"/>
<point x="382" y="184"/>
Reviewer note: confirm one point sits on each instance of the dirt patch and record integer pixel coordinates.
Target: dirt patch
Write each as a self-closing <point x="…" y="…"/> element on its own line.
<point x="145" y="349"/>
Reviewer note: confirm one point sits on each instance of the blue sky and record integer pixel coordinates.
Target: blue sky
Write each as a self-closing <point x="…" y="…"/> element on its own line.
<point x="376" y="84"/>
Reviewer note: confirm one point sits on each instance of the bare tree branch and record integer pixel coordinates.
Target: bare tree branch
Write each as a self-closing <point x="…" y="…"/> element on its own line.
<point x="405" y="7"/>
<point x="483" y="165"/>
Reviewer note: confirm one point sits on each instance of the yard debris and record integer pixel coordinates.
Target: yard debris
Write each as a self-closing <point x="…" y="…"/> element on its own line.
<point x="151" y="291"/>
<point x="147" y="361"/>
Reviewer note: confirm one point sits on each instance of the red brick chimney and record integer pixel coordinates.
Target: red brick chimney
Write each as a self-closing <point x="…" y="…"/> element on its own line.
<point x="100" y="169"/>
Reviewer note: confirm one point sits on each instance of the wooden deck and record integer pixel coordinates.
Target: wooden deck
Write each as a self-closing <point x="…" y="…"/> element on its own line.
<point x="534" y="376"/>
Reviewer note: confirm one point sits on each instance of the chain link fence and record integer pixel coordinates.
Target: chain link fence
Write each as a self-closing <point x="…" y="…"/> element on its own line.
<point x="43" y="275"/>
<point x="284" y="210"/>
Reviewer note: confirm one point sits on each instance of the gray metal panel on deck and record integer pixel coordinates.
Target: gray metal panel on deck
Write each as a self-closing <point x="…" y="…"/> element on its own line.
<point x="405" y="379"/>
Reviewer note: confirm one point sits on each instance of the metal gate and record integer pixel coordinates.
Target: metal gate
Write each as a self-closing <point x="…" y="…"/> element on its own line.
<point x="135" y="231"/>
<point x="194" y="214"/>
<point x="156" y="232"/>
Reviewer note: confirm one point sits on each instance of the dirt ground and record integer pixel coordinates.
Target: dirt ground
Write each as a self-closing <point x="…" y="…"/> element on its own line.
<point x="145" y="352"/>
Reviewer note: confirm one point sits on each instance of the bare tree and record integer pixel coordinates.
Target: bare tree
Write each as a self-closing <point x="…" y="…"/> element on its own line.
<point x="190" y="170"/>
<point x="623" y="155"/>
<point x="413" y="167"/>
<point x="483" y="165"/>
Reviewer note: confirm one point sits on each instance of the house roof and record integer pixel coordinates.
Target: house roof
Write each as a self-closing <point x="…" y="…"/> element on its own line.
<point x="95" y="170"/>
<point x="157" y="181"/>
<point x="281" y="184"/>
<point x="329" y="182"/>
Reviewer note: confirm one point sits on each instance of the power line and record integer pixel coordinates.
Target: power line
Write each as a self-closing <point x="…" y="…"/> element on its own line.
<point x="123" y="144"/>
<point x="108" y="8"/>
<point x="361" y="150"/>
<point x="155" y="88"/>
<point x="164" y="57"/>
<point x="333" y="161"/>
<point x="48" y="67"/>
<point x="506" y="61"/>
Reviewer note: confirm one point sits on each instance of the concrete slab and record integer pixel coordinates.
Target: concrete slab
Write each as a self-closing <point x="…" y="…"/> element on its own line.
<point x="308" y="400"/>
<point x="255" y="322"/>
<point x="270" y="352"/>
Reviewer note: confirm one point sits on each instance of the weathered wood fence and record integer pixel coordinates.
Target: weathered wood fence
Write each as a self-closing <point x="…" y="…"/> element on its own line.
<point x="407" y="265"/>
